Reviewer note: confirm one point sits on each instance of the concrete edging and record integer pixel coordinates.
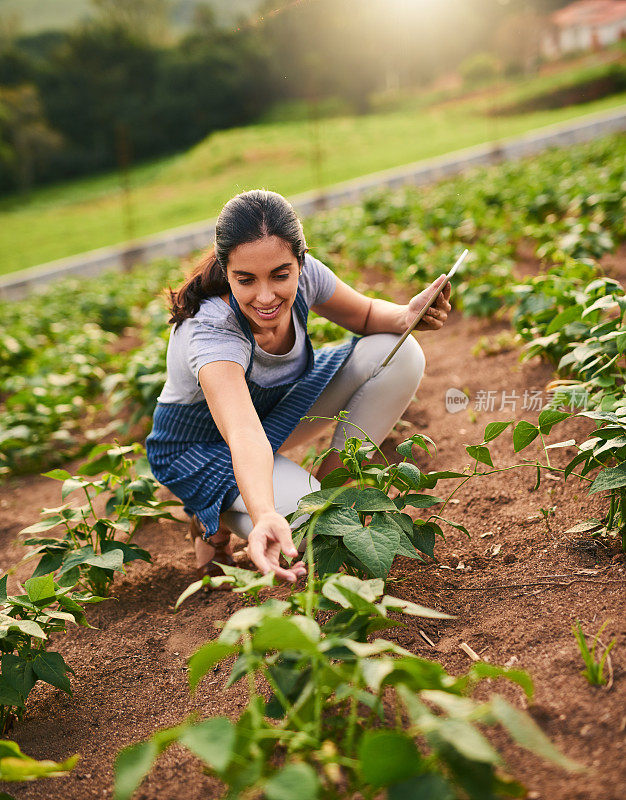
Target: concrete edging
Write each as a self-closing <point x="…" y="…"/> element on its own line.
<point x="181" y="241"/>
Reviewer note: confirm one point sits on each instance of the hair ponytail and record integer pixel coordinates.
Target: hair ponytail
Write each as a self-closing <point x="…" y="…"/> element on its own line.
<point x="207" y="279"/>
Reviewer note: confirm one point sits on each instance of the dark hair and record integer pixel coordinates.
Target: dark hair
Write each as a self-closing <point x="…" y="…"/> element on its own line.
<point x="245" y="218"/>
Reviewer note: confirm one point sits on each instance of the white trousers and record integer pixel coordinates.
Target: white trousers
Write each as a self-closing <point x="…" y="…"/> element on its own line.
<point x="374" y="398"/>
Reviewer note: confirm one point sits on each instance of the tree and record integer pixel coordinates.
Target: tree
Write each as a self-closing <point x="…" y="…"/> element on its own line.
<point x="26" y="139"/>
<point x="146" y="20"/>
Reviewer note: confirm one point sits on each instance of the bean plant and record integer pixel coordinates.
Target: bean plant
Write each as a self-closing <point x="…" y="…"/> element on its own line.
<point x="26" y="622"/>
<point x="340" y="714"/>
<point x="358" y="525"/>
<point x="90" y="551"/>
<point x="577" y="322"/>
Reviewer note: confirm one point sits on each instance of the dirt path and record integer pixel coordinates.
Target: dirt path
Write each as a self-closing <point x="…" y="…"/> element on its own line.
<point x="130" y="672"/>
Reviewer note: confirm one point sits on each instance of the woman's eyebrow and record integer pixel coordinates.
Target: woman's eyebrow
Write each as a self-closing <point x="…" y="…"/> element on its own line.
<point x="253" y="274"/>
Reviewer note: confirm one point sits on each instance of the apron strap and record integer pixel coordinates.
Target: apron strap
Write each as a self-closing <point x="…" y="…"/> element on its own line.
<point x="302" y="310"/>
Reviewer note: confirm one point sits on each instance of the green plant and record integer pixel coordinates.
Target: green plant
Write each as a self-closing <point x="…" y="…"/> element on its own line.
<point x="358" y="525"/>
<point x="26" y="621"/>
<point x="89" y="553"/>
<point x="17" y="766"/>
<point x="594" y="666"/>
<point x="344" y="714"/>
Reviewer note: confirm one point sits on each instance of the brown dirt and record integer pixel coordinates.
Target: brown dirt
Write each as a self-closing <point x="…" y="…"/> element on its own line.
<point x="130" y="671"/>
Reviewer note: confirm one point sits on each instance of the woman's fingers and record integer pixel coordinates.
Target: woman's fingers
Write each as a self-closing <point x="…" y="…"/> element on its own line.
<point x="268" y="538"/>
<point x="256" y="551"/>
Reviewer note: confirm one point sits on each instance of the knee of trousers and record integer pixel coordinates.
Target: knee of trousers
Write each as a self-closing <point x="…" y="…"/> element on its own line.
<point x="406" y="368"/>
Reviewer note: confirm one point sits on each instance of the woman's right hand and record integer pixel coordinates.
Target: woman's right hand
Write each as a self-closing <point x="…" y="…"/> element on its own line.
<point x="270" y="535"/>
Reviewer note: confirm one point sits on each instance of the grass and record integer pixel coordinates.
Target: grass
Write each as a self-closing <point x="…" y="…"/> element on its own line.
<point x="70" y="218"/>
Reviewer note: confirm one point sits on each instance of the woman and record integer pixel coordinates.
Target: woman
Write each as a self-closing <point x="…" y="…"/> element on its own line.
<point x="241" y="372"/>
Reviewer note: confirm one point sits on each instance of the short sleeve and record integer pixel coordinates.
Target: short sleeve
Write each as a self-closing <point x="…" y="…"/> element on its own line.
<point x="317" y="281"/>
<point x="216" y="339"/>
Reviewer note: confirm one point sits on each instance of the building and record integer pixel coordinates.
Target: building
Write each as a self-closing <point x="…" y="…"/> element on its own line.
<point x="585" y="25"/>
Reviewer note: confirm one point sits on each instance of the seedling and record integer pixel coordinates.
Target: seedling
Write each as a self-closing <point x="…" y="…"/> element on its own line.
<point x="26" y="621"/>
<point x="89" y="554"/>
<point x="594" y="669"/>
<point x="325" y="733"/>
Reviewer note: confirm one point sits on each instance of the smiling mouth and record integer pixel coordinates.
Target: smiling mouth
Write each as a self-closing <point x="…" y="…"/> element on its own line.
<point x="268" y="313"/>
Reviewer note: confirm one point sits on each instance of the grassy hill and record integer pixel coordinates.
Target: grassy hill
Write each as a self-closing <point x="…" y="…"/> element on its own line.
<point x="288" y="157"/>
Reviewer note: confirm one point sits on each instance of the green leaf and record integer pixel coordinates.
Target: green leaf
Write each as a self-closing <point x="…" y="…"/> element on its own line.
<point x="27" y="626"/>
<point x="206" y="657"/>
<point x="69" y="604"/>
<point x="3" y="588"/>
<point x="283" y="633"/>
<point x="113" y="560"/>
<point x="17" y="767"/>
<point x="18" y="674"/>
<point x="574" y="463"/>
<point x="563" y="318"/>
<point x="387" y="757"/>
<point x="611" y="478"/>
<point x="523" y="434"/>
<point x="549" y="417"/>
<point x="131" y="767"/>
<point x="338" y="522"/>
<point x="467" y="740"/>
<point x="296" y="780"/>
<point x="410" y="474"/>
<point x="131" y="552"/>
<point x="420" y="500"/>
<point x="50" y="562"/>
<point x="41" y="588"/>
<point x="57" y="474"/>
<point x="375" y="545"/>
<point x="526" y="732"/>
<point x="494" y="429"/>
<point x="421" y="440"/>
<point x="336" y="478"/>
<point x="481" y="670"/>
<point x="212" y="740"/>
<point x="9" y="696"/>
<point x="371" y="499"/>
<point x="408" y="607"/>
<point x="480" y="453"/>
<point x="71" y="485"/>
<point x="429" y="786"/>
<point x="424" y="538"/>
<point x="44" y="524"/>
<point x="51" y="668"/>
<point x="328" y="554"/>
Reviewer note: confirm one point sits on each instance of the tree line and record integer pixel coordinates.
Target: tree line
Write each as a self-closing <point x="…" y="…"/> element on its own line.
<point x="122" y="88"/>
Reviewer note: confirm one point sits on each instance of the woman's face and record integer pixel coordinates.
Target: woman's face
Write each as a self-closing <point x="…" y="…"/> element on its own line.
<point x="263" y="277"/>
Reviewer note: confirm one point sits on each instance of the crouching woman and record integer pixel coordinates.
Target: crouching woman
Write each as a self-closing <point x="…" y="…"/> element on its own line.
<point x="241" y="373"/>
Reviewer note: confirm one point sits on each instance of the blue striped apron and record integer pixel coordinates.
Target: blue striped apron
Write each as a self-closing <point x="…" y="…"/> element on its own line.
<point x="186" y="451"/>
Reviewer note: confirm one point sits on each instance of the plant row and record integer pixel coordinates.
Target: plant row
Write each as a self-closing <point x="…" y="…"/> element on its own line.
<point x="82" y="353"/>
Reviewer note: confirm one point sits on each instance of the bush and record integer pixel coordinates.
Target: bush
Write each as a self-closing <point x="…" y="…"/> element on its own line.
<point x="479" y="68"/>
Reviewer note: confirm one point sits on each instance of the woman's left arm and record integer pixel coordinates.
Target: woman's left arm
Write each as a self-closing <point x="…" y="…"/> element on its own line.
<point x="365" y="315"/>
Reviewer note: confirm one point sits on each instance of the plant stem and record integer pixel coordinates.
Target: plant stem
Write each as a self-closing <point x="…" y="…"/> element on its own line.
<point x="543" y="442"/>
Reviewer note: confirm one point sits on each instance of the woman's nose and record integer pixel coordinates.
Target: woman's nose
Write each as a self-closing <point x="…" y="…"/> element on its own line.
<point x="265" y="295"/>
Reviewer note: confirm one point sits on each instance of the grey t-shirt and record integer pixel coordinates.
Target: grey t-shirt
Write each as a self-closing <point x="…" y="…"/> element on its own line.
<point x="215" y="335"/>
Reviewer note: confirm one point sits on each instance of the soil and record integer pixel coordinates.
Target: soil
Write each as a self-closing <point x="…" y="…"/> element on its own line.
<point x="515" y="586"/>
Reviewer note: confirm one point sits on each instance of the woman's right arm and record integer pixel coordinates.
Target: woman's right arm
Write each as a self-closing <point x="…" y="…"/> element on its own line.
<point x="230" y="404"/>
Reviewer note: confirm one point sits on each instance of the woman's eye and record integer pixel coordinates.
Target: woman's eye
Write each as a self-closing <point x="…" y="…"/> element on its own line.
<point x="245" y="281"/>
<point x="283" y="276"/>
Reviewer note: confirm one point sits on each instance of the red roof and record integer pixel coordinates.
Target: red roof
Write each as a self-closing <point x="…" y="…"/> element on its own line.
<point x="590" y="12"/>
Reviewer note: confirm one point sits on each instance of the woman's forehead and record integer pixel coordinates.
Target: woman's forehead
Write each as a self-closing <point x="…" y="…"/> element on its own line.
<point x="262" y="257"/>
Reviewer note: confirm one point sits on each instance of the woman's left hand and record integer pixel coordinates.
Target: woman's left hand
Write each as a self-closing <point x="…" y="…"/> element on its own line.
<point x="437" y="314"/>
